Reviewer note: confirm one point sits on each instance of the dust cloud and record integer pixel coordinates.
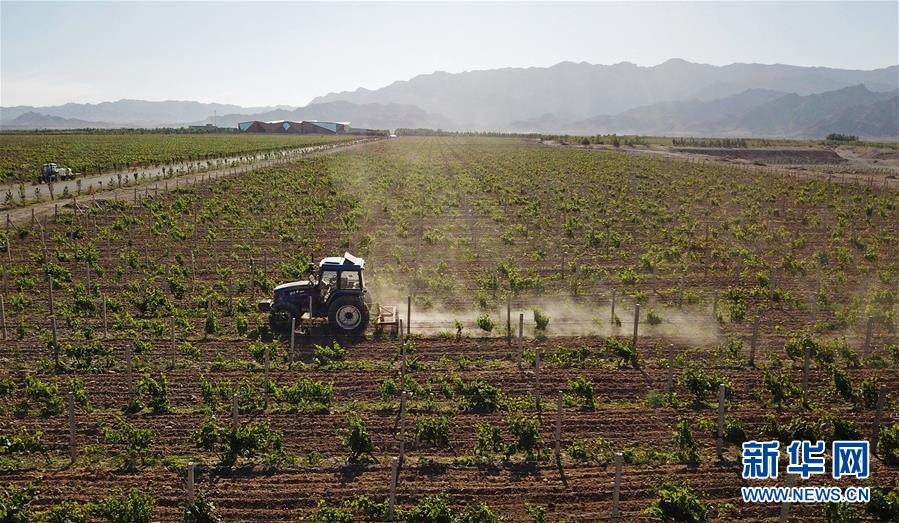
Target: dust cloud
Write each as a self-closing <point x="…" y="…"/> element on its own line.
<point x="568" y="316"/>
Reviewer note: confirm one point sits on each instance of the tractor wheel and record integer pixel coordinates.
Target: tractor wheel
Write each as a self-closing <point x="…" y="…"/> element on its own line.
<point x="280" y="317"/>
<point x="348" y="315"/>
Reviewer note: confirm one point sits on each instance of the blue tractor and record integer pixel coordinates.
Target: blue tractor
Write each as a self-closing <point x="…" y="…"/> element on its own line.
<point x="335" y="290"/>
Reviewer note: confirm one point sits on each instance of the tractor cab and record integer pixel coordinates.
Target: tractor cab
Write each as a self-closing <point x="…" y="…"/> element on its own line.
<point x="334" y="290"/>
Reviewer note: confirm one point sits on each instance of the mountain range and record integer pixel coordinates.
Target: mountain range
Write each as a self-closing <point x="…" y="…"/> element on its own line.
<point x="676" y="97"/>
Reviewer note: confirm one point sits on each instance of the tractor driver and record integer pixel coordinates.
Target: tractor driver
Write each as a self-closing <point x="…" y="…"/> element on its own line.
<point x="328" y="283"/>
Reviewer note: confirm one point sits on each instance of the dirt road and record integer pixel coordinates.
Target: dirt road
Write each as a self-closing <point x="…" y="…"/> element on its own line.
<point x="130" y="191"/>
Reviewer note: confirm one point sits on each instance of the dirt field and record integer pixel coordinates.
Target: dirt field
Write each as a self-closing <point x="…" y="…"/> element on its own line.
<point x="467" y="227"/>
<point x="803" y="156"/>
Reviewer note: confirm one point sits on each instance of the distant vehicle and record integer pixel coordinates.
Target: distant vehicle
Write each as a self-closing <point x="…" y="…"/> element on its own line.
<point x="50" y="172"/>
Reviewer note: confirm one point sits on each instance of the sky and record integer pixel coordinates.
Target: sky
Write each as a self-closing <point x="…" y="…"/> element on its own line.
<point x="286" y="53"/>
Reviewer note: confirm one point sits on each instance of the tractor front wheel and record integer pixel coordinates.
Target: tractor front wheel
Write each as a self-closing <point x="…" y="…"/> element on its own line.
<point x="281" y="316"/>
<point x="348" y="315"/>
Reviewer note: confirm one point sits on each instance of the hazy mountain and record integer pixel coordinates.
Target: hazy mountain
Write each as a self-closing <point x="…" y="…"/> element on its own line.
<point x="493" y="99"/>
<point x="794" y="115"/>
<point x="33" y="120"/>
<point x="677" y="117"/>
<point x="875" y="120"/>
<point x="133" y="113"/>
<point x="372" y="116"/>
<point x="755" y="112"/>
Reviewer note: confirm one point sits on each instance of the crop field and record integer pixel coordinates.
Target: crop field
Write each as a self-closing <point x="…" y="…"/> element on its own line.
<point x="130" y="335"/>
<point x="21" y="155"/>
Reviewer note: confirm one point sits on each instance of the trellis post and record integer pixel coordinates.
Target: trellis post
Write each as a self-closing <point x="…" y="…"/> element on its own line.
<point x="754" y="342"/>
<point x="3" y="317"/>
<point x="190" y="483"/>
<point x="616" y="492"/>
<point x="785" y="507"/>
<point x="636" y="325"/>
<point x="53" y="320"/>
<point x="612" y="318"/>
<point x="670" y="372"/>
<point x="402" y="427"/>
<point x="558" y="435"/>
<point x="408" y="315"/>
<point x="868" y="332"/>
<point x="173" y="347"/>
<point x="719" y="444"/>
<point x="805" y="368"/>
<point x="73" y="449"/>
<point x="520" y="338"/>
<point x="105" y="322"/>
<point x="394" y="471"/>
<point x="878" y="416"/>
<point x="234" y="414"/>
<point x="537" y="378"/>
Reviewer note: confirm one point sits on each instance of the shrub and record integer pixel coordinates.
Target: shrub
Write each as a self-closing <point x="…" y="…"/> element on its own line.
<point x="780" y="386"/>
<point x="478" y="395"/>
<point x="525" y="432"/>
<point x="388" y="389"/>
<point x="134" y="442"/>
<point x="599" y="450"/>
<point x="357" y="439"/>
<point x="431" y="509"/>
<point x="45" y="396"/>
<point x="218" y="395"/>
<point x="202" y="510"/>
<point x="734" y="432"/>
<point x="888" y="444"/>
<point x="541" y="321"/>
<point x="486" y="323"/>
<point x="24" y="442"/>
<point x="884" y="505"/>
<point x="841" y="513"/>
<point x="434" y="430"/>
<point x="701" y="383"/>
<point x="248" y="441"/>
<point x="328" y="355"/>
<point x="870" y="391"/>
<point x="842" y="383"/>
<point x="684" y="444"/>
<point x="623" y="351"/>
<point x="325" y="513"/>
<point x="150" y="392"/>
<point x="489" y="441"/>
<point x="796" y="345"/>
<point x="580" y="393"/>
<point x="307" y="394"/>
<point x="15" y="504"/>
<point x="677" y="503"/>
<point x="133" y="507"/>
<point x="92" y="356"/>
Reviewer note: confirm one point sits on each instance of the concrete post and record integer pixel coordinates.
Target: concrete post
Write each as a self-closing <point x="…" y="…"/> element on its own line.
<point x="616" y="492"/>
<point x="190" y="481"/>
<point x="805" y="369"/>
<point x="636" y="325"/>
<point x="878" y="416"/>
<point x="558" y="435"/>
<point x="73" y="448"/>
<point x="719" y="447"/>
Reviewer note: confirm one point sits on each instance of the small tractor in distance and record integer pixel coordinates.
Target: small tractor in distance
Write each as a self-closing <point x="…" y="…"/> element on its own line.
<point x="50" y="172"/>
<point x="335" y="290"/>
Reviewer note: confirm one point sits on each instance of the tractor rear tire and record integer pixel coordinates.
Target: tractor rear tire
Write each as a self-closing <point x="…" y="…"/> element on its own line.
<point x="280" y="317"/>
<point x="348" y="315"/>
